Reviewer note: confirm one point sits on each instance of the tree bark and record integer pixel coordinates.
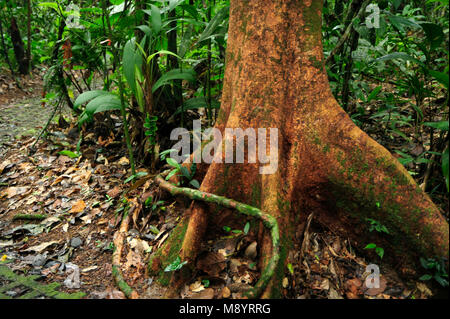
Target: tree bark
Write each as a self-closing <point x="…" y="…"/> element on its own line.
<point x="275" y="78"/>
<point x="18" y="46"/>
<point x="29" y="34"/>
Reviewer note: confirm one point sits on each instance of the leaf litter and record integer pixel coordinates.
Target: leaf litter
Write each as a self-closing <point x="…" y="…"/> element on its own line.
<point x="83" y="200"/>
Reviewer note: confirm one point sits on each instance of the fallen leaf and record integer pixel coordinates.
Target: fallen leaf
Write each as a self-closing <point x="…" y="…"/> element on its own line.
<point x="14" y="191"/>
<point x="226" y="293"/>
<point x="78" y="207"/>
<point x="124" y="161"/>
<point x="196" y="286"/>
<point x="251" y="251"/>
<point x="41" y="247"/>
<point x="133" y="259"/>
<point x="4" y="165"/>
<point x="113" y="193"/>
<point x="211" y="263"/>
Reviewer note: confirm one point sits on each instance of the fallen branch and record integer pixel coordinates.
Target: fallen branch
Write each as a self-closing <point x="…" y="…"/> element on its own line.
<point x="119" y="237"/>
<point x="268" y="221"/>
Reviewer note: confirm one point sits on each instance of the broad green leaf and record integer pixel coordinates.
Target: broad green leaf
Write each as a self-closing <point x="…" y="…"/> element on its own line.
<point x="214" y="23"/>
<point x="399" y="55"/>
<point x="172" y="173"/>
<point x="425" y="277"/>
<point x="69" y="154"/>
<point x="103" y="103"/>
<point x="195" y="183"/>
<point x="161" y="52"/>
<point x="441" y="77"/>
<point x="146" y="29"/>
<point x="434" y="33"/>
<point x="440" y="280"/>
<point x="155" y="15"/>
<point x="175" y="74"/>
<point x="176" y="265"/>
<point x="399" y="22"/>
<point x="128" y="61"/>
<point x="87" y="96"/>
<point x="374" y="93"/>
<point x="185" y="172"/>
<point x="442" y="125"/>
<point x="172" y="162"/>
<point x="370" y="246"/>
<point x="380" y="252"/>
<point x="52" y="5"/>
<point x="246" y="228"/>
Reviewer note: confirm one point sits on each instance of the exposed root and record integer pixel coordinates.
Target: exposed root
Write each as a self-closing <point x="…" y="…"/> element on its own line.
<point x="306" y="237"/>
<point x="268" y="221"/>
<point x="119" y="237"/>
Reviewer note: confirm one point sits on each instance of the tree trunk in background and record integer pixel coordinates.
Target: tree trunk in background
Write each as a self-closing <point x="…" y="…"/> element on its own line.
<point x="18" y="46"/>
<point x="5" y="50"/>
<point x="275" y="78"/>
<point x="29" y="34"/>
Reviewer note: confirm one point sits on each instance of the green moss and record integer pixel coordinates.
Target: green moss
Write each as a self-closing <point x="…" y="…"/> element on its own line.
<point x="284" y="206"/>
<point x="256" y="195"/>
<point x="174" y="243"/>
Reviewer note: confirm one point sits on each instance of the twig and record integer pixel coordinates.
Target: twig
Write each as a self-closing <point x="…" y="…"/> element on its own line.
<point x="32" y="148"/>
<point x="305" y="237"/>
<point x="268" y="221"/>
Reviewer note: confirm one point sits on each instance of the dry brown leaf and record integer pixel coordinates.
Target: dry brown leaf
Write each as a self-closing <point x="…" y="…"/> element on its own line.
<point x="78" y="207"/>
<point x="41" y="247"/>
<point x="14" y="191"/>
<point x="113" y="193"/>
<point x="133" y="259"/>
<point x="196" y="286"/>
<point x="3" y="165"/>
<point x="226" y="293"/>
<point x="211" y="263"/>
<point x="123" y="161"/>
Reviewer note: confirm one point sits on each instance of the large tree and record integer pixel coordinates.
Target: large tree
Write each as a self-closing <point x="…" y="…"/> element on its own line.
<point x="275" y="78"/>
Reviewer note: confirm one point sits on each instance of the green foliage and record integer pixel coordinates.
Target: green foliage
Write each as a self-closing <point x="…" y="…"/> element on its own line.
<point x="378" y="250"/>
<point x="440" y="274"/>
<point x="377" y="226"/>
<point x="175" y="265"/>
<point x="186" y="175"/>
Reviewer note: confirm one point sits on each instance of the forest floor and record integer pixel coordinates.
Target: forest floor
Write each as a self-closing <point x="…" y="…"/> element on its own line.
<point x="58" y="217"/>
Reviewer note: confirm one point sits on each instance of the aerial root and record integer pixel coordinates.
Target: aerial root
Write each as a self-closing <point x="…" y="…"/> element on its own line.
<point x="268" y="221"/>
<point x="119" y="237"/>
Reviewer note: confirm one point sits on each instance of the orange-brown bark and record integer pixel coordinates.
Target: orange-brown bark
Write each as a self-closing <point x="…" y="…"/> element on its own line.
<point x="275" y="77"/>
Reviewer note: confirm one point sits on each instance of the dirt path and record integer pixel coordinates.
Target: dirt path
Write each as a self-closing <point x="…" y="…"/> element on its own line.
<point x="25" y="117"/>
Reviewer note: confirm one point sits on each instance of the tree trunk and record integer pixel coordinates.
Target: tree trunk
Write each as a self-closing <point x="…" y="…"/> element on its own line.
<point x="275" y="78"/>
<point x="29" y="34"/>
<point x="18" y="46"/>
